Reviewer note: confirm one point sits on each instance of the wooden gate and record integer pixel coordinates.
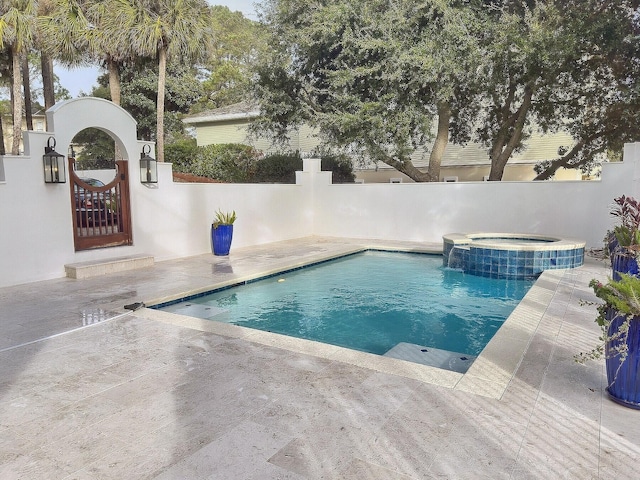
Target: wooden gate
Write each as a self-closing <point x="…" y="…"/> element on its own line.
<point x="101" y="213"/>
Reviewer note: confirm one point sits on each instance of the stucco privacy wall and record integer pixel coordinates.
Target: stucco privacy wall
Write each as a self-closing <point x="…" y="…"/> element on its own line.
<point x="173" y="219"/>
<point x="417" y="212"/>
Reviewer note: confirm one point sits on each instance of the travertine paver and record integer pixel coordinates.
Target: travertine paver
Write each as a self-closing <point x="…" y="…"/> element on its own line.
<point x="133" y="397"/>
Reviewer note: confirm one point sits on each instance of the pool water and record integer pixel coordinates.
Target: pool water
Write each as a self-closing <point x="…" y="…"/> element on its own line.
<point x="371" y="301"/>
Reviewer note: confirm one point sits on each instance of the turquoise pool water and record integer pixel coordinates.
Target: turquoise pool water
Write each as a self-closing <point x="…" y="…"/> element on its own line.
<point x="371" y="302"/>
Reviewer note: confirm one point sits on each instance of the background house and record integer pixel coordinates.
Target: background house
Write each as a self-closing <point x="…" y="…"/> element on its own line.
<point x="469" y="163"/>
<point x="39" y="125"/>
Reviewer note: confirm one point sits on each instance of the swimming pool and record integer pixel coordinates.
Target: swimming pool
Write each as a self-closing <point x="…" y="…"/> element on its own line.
<point x="394" y="304"/>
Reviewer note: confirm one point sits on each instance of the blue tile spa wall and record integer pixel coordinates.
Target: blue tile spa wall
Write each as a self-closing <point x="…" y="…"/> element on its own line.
<point x="500" y="263"/>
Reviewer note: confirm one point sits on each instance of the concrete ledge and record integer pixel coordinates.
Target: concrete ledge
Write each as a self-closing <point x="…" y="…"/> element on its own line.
<point x="94" y="268"/>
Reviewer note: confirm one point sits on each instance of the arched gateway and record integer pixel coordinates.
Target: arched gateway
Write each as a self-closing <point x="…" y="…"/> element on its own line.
<point x="100" y="207"/>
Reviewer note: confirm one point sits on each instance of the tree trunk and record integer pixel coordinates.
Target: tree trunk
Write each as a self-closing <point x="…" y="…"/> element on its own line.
<point x="409" y="169"/>
<point x="561" y="162"/>
<point x="504" y="145"/>
<point x="114" y="80"/>
<point x="2" y="148"/>
<point x="17" y="102"/>
<point x="162" y="73"/>
<point x="440" y="144"/>
<point x="46" y="64"/>
<point x="26" y="87"/>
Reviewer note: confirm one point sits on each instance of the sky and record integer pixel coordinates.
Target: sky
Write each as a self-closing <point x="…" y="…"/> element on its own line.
<point x="84" y="79"/>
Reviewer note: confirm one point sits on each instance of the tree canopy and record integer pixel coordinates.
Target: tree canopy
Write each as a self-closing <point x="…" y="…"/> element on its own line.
<point x="382" y="78"/>
<point x="552" y="66"/>
<point x="139" y="86"/>
<point x="227" y="72"/>
<point x="17" y="33"/>
<point x="118" y="35"/>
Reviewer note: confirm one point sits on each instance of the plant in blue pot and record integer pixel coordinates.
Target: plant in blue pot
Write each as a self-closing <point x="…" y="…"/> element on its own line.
<point x="222" y="232"/>
<point x="624" y="257"/>
<point x="619" y="318"/>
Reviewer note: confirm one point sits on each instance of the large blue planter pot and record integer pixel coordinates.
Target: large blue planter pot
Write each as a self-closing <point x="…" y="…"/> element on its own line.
<point x="221" y="239"/>
<point x="623" y="262"/>
<point x="623" y="378"/>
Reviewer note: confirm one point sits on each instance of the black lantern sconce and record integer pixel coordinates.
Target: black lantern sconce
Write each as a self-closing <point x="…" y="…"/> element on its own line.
<point x="148" y="166"/>
<point x="53" y="162"/>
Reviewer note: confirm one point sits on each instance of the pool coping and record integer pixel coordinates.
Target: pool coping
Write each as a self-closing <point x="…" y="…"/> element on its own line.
<point x="483" y="240"/>
<point x="488" y="376"/>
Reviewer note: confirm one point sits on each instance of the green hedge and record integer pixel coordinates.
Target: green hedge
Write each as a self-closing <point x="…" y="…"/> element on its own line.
<point x="340" y="166"/>
<point x="230" y="162"/>
<point x="182" y="154"/>
<point x="237" y="163"/>
<point x="278" y="168"/>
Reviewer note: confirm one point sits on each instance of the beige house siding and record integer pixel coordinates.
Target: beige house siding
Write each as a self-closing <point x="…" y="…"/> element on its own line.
<point x="232" y="131"/>
<point x="235" y="131"/>
<point x="539" y="147"/>
<point x="39" y="125"/>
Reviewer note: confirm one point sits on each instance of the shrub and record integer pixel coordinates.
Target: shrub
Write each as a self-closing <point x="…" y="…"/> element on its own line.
<point x="340" y="166"/>
<point x="278" y="168"/>
<point x="282" y="167"/>
<point x="181" y="153"/>
<point x="230" y="162"/>
<point x="237" y="163"/>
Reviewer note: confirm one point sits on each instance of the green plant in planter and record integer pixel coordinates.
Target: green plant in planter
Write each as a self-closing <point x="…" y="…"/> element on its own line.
<point x="623" y="297"/>
<point x="627" y="233"/>
<point x="624" y="245"/>
<point x="224" y="218"/>
<point x="619" y="318"/>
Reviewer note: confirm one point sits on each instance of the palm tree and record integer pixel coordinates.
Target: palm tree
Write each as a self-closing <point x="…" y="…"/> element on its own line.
<point x="45" y="7"/>
<point x="26" y="90"/>
<point x="65" y="27"/>
<point x="112" y="21"/>
<point x="177" y="29"/>
<point x="82" y="31"/>
<point x="17" y="26"/>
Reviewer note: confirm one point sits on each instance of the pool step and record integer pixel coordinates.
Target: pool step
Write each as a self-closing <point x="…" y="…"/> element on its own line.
<point x="94" y="268"/>
<point x="433" y="357"/>
<point x="207" y="312"/>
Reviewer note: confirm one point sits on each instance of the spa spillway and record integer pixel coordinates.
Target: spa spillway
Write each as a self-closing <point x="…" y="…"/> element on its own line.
<point x="508" y="255"/>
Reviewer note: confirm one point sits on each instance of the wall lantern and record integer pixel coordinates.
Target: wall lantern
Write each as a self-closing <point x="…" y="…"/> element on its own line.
<point x="54" y="171"/>
<point x="148" y="166"/>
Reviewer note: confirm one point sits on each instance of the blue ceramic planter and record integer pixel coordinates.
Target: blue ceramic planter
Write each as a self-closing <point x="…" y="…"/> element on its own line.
<point x="624" y="377"/>
<point x="623" y="262"/>
<point x="221" y="239"/>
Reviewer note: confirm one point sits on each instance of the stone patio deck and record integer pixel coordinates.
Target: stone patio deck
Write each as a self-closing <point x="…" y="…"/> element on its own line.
<point x="89" y="390"/>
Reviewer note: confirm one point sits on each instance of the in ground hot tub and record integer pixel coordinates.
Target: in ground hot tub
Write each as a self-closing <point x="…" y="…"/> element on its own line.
<point x="510" y="255"/>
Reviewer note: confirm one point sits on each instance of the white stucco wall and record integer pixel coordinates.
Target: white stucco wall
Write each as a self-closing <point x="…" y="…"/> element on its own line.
<point x="171" y="220"/>
<point x="420" y="212"/>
